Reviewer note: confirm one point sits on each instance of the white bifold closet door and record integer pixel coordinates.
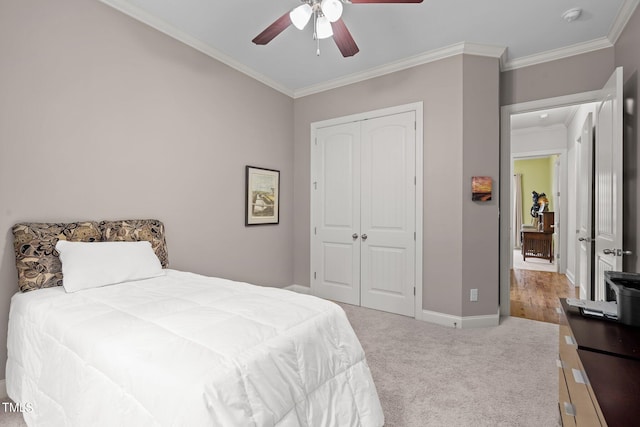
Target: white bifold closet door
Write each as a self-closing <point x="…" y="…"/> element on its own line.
<point x="363" y="203"/>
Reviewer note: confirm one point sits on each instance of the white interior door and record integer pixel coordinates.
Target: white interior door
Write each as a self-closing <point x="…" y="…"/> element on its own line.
<point x="363" y="248"/>
<point x="608" y="182"/>
<point x="388" y="213"/>
<point x="585" y="208"/>
<point x="335" y="243"/>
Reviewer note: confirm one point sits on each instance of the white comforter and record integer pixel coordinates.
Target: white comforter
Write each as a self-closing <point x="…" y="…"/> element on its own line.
<point x="186" y="350"/>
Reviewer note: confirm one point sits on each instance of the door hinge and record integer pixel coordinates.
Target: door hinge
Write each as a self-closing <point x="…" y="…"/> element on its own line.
<point x="315" y="230"/>
<point x="414" y="235"/>
<point x="315" y="185"/>
<point x="414" y="291"/>
<point x="415" y="181"/>
<point x="314" y="275"/>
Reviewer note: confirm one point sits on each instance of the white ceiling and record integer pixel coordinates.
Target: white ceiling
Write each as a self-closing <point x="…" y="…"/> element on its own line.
<point x="390" y="36"/>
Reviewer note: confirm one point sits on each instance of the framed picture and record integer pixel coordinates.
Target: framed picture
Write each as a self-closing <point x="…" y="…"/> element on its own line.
<point x="262" y="196"/>
<point x="481" y="187"/>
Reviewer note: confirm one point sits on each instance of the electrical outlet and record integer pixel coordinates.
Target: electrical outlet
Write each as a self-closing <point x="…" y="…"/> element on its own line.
<point x="473" y="295"/>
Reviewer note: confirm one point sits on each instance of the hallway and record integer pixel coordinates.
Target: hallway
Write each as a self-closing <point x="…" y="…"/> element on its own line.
<point x="534" y="294"/>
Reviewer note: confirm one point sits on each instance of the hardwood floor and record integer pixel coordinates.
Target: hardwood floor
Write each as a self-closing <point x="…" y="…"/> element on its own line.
<point x="534" y="294"/>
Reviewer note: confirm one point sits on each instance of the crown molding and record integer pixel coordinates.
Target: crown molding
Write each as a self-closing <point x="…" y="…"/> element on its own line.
<point x="138" y="14"/>
<point x="624" y="14"/>
<point x="555" y="54"/>
<point x="403" y="64"/>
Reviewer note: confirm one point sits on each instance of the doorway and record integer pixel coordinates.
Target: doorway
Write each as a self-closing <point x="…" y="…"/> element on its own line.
<point x="536" y="199"/>
<point x="565" y="239"/>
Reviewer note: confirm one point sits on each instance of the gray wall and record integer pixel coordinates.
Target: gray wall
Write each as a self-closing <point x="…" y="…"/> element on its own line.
<point x="481" y="157"/>
<point x="103" y="117"/>
<point x="461" y="134"/>
<point x="576" y="74"/>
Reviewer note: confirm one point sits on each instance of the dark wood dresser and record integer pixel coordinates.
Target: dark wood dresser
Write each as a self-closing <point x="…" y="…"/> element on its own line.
<point x="599" y="371"/>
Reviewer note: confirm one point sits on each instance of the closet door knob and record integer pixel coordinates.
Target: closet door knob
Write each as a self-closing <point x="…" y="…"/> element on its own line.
<point x="364" y="237"/>
<point x="354" y="235"/>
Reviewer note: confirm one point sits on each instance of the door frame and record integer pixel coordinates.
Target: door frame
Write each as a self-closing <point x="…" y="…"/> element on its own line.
<point x="559" y="203"/>
<point x="506" y="254"/>
<point x="417" y="108"/>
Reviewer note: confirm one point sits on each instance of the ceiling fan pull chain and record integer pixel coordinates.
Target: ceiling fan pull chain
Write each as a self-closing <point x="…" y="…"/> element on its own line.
<point x="315" y="31"/>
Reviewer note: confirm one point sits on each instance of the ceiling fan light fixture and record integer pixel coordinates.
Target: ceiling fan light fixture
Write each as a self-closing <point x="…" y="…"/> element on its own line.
<point x="332" y="9"/>
<point x="323" y="28"/>
<point x="300" y="15"/>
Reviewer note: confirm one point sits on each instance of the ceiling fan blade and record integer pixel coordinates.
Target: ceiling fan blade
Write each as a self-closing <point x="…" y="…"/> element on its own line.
<point x="343" y="39"/>
<point x="273" y="30"/>
<point x="386" y="1"/>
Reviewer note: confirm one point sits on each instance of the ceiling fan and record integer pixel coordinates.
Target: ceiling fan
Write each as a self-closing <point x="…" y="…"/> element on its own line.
<point x="327" y="22"/>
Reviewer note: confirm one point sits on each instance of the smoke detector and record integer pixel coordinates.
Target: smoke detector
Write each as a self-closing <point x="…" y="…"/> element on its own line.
<point x="572" y="14"/>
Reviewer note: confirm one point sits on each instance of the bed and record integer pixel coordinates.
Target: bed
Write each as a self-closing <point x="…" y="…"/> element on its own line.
<point x="173" y="348"/>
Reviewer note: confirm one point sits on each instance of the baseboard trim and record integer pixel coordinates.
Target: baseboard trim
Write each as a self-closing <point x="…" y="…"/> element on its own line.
<point x="484" y="321"/>
<point x="3" y="389"/>
<point x="460" y="322"/>
<point x="299" y="289"/>
<point x="441" y="319"/>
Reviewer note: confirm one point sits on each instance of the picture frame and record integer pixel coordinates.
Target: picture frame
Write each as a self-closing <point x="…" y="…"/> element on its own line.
<point x="481" y="188"/>
<point x="262" y="196"/>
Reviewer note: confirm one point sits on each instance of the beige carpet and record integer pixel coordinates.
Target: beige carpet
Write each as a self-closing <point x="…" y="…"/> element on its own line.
<point x="8" y="418"/>
<point x="429" y="375"/>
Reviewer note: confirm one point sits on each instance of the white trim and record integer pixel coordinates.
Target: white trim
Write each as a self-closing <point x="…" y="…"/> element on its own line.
<point x="624" y="14"/>
<point x="506" y="254"/>
<point x="403" y="64"/>
<point x="555" y="54"/>
<point x="299" y="289"/>
<point x="459" y="322"/>
<point x="419" y="206"/>
<point x="571" y="277"/>
<point x="3" y="389"/>
<point x="418" y="108"/>
<point x="441" y="319"/>
<point x="484" y="321"/>
<point x="146" y="18"/>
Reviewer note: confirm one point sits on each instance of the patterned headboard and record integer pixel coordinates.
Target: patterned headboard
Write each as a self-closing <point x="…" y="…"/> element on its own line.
<point x="37" y="260"/>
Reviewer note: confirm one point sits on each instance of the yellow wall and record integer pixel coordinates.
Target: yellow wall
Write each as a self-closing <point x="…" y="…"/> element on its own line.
<point x="537" y="175"/>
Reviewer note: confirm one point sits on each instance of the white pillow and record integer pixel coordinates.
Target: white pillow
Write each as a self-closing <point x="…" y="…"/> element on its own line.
<point x="93" y="264"/>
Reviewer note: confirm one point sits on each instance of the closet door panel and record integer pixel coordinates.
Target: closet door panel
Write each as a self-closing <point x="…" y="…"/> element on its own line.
<point x="388" y="213"/>
<point x="336" y="209"/>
